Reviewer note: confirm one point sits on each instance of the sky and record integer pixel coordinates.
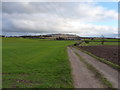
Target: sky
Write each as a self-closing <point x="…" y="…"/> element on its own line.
<point x="80" y="18"/>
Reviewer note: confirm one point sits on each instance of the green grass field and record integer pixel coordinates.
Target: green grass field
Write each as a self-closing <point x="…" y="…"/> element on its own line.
<point x="34" y="63"/>
<point x="99" y="43"/>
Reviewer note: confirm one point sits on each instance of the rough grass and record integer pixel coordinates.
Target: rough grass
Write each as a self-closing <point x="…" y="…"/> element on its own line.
<point x="92" y="43"/>
<point x="34" y="63"/>
<point x="98" y="43"/>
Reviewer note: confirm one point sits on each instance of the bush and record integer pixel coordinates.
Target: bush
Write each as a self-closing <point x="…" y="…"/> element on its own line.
<point x="75" y="44"/>
<point x="87" y="42"/>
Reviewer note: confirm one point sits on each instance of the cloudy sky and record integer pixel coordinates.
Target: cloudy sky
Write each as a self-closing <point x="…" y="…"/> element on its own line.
<point x="84" y="19"/>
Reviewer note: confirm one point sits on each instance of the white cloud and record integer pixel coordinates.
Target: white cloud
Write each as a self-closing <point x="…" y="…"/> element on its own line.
<point x="57" y="18"/>
<point x="91" y="12"/>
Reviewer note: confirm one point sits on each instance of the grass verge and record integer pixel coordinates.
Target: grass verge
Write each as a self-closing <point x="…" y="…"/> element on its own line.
<point x="98" y="75"/>
<point x="115" y="66"/>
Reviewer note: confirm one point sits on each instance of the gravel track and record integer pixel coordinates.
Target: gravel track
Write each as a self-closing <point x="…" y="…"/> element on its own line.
<point x="82" y="77"/>
<point x="110" y="73"/>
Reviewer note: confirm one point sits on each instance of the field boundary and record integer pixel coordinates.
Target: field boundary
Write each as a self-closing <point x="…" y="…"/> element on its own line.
<point x="115" y="66"/>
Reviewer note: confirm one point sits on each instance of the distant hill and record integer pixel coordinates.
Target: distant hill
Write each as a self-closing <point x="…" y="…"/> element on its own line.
<point x="52" y="36"/>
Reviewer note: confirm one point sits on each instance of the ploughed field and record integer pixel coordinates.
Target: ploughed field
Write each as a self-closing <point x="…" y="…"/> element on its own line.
<point x="35" y="63"/>
<point x="107" y="52"/>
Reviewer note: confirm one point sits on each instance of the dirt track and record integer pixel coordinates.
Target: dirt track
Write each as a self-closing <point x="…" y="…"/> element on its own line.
<point x="83" y="78"/>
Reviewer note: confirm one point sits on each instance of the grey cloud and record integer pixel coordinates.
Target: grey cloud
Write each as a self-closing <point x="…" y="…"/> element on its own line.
<point x="57" y="9"/>
<point x="17" y="7"/>
<point x="40" y="17"/>
<point x="66" y="10"/>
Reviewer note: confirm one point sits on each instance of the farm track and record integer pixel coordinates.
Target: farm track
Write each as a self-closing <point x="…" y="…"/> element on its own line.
<point x="110" y="73"/>
<point x="82" y="77"/>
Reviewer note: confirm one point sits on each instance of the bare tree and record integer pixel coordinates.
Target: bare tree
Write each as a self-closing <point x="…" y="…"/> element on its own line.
<point x="102" y="41"/>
